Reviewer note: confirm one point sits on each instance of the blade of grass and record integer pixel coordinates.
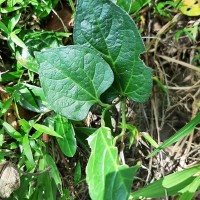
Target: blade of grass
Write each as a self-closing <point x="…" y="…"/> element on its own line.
<point x="179" y="135"/>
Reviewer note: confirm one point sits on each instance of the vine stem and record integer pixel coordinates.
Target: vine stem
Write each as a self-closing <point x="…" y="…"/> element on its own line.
<point x="103" y="124"/>
<point x="106" y="108"/>
<point x="123" y="124"/>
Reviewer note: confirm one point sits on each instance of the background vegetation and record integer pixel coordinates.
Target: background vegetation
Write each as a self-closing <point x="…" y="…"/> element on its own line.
<point x="34" y="138"/>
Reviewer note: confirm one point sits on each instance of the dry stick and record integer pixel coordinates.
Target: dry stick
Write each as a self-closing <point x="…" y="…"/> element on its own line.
<point x="182" y="88"/>
<point x="160" y="153"/>
<point x="163" y="30"/>
<point x="184" y="64"/>
<point x="151" y="159"/>
<point x="35" y="174"/>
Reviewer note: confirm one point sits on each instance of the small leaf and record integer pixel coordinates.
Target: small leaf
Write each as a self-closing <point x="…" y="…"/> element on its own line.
<point x="13" y="21"/>
<point x="27" y="149"/>
<point x="105" y="27"/>
<point x="10" y="76"/>
<point x="4" y="28"/>
<point x="31" y="98"/>
<point x="107" y="179"/>
<point x="5" y="106"/>
<point x="17" y="40"/>
<point x="77" y="173"/>
<point x="45" y="129"/>
<point x="11" y="131"/>
<point x="73" y="78"/>
<point x="54" y="171"/>
<point x="65" y="129"/>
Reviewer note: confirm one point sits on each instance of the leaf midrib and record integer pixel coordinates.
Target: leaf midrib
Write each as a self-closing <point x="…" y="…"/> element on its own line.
<point x="109" y="55"/>
<point x="66" y="77"/>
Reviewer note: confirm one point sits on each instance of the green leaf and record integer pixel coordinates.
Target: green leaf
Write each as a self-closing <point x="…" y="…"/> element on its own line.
<point x="54" y="172"/>
<point x="107" y="179"/>
<point x="13" y="21"/>
<point x="73" y="78"/>
<point x="46" y="130"/>
<point x="172" y="184"/>
<point x="27" y="148"/>
<point x="26" y="98"/>
<point x="10" y="76"/>
<point x="77" y="173"/>
<point x="131" y="6"/>
<point x="82" y="133"/>
<point x="5" y="106"/>
<point x="31" y="98"/>
<point x="25" y="126"/>
<point x="4" y="28"/>
<point x="37" y="41"/>
<point x="138" y="5"/>
<point x="189" y="194"/>
<point x="17" y="40"/>
<point x="11" y="131"/>
<point x="105" y="27"/>
<point x="126" y="5"/>
<point x="9" y="9"/>
<point x="65" y="129"/>
<point x="178" y="135"/>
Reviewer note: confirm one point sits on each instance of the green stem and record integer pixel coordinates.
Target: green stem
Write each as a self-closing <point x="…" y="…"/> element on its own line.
<point x="103" y="115"/>
<point x="123" y="111"/>
<point x="106" y="108"/>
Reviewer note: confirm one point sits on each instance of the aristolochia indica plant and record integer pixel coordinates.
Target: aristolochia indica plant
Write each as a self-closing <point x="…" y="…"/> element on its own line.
<point x="104" y="62"/>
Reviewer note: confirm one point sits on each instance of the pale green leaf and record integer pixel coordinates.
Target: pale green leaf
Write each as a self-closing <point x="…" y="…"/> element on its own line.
<point x="73" y="78"/>
<point x="172" y="184"/>
<point x="13" y="21"/>
<point x="107" y="179"/>
<point x="189" y="194"/>
<point x="5" y="106"/>
<point x="27" y="149"/>
<point x="4" y="28"/>
<point x="105" y="27"/>
<point x="17" y="40"/>
<point x="11" y="131"/>
<point x="46" y="130"/>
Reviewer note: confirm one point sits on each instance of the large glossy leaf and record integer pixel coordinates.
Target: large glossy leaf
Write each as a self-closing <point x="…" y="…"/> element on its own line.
<point x="102" y="25"/>
<point x="73" y="78"/>
<point x="107" y="179"/>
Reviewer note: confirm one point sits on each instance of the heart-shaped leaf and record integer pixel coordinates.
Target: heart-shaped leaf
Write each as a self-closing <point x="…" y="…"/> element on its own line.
<point x="73" y="78"/>
<point x="102" y="25"/>
<point x="107" y="179"/>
